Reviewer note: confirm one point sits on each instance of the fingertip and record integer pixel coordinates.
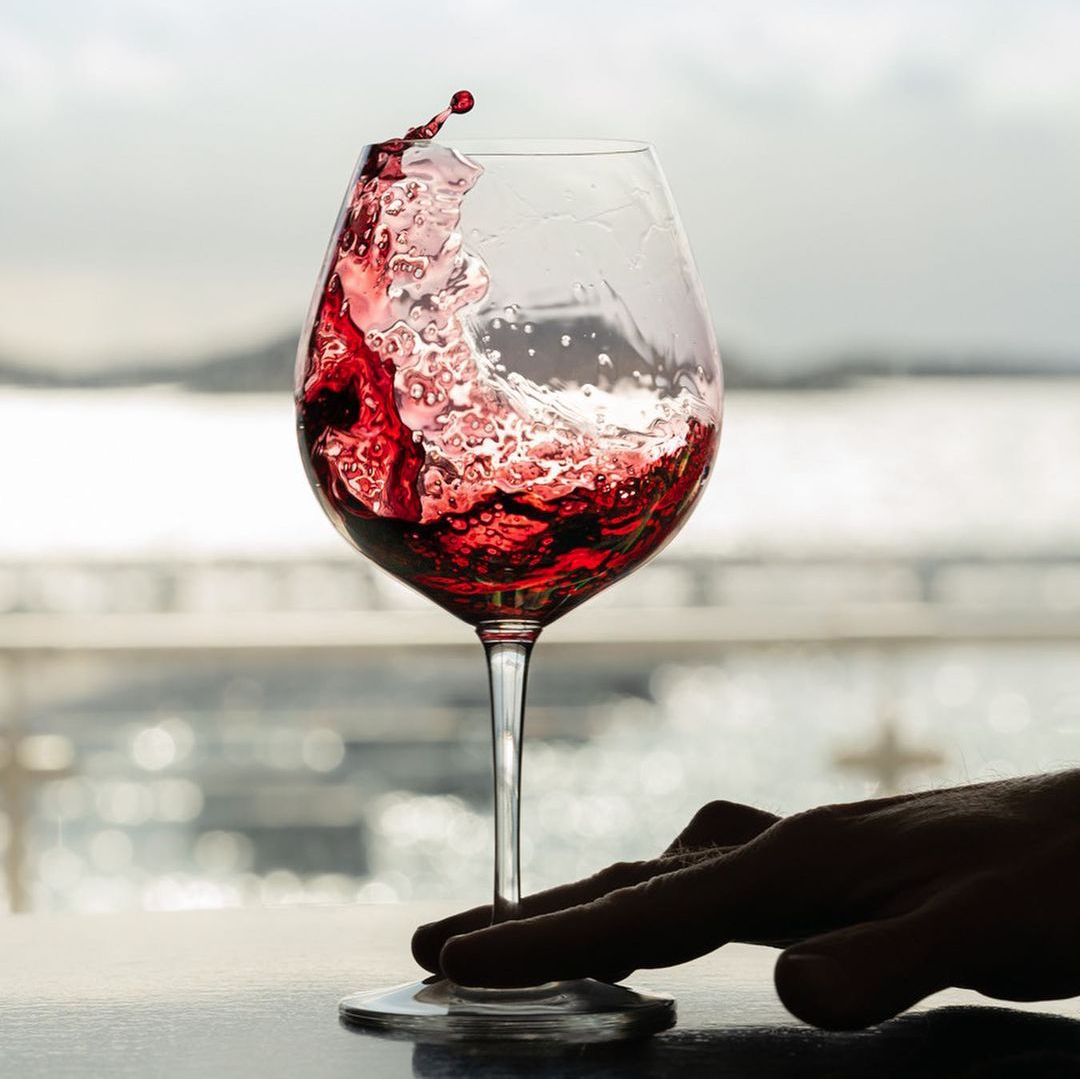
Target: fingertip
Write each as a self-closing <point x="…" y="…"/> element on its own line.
<point x="425" y="946"/>
<point x="866" y="974"/>
<point x="498" y="957"/>
<point x="428" y="939"/>
<point x="463" y="963"/>
<point x="817" y="990"/>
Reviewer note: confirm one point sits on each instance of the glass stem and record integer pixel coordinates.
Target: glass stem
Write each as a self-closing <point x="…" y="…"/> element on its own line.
<point x="508" y="644"/>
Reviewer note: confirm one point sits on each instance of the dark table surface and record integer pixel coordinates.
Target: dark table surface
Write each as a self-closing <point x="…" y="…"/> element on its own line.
<point x="254" y="993"/>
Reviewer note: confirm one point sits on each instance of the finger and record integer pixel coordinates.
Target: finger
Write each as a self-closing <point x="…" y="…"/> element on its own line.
<point x="722" y="824"/>
<point x="667" y="919"/>
<point x="794" y="881"/>
<point x="716" y="826"/>
<point x="428" y="940"/>
<point x="856" y="977"/>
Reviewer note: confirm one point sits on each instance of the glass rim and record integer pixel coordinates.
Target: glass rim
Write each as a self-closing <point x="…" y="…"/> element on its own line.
<point x="528" y="147"/>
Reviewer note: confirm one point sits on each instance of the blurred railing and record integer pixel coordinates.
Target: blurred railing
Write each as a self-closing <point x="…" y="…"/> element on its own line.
<point x="676" y="603"/>
<point x="206" y="617"/>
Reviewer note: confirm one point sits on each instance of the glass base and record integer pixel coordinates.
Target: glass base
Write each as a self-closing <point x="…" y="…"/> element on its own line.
<point x="577" y="1011"/>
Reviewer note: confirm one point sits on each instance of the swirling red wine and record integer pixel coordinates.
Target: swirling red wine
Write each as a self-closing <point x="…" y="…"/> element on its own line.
<point x="496" y="496"/>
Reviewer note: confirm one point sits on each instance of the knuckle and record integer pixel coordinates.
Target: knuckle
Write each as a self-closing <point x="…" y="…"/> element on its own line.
<point x="712" y="820"/>
<point x="728" y="822"/>
<point x="715" y="811"/>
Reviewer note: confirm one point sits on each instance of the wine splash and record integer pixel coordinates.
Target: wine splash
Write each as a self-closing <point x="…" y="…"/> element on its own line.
<point x="462" y="101"/>
<point x="494" y="495"/>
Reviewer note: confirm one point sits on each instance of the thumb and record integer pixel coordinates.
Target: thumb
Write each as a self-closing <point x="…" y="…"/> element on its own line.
<point x="867" y="973"/>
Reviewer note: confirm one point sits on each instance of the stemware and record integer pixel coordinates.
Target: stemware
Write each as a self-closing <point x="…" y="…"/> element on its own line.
<point x="509" y="397"/>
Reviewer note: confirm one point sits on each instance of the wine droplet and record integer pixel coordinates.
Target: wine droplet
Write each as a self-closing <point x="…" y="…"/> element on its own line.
<point x="462" y="101"/>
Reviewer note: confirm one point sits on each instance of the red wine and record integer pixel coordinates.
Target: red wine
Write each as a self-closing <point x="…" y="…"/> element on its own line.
<point x="462" y="101"/>
<point x="495" y="496"/>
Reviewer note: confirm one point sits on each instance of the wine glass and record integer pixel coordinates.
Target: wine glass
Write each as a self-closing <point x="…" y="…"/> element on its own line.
<point x="509" y="397"/>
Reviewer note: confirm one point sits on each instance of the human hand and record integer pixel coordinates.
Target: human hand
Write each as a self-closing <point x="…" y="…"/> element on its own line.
<point x="877" y="903"/>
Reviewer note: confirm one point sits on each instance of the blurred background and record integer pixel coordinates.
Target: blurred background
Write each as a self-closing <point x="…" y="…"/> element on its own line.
<point x="208" y="700"/>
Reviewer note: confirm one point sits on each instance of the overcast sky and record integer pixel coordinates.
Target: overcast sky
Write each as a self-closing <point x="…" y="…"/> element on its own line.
<point x="897" y="174"/>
